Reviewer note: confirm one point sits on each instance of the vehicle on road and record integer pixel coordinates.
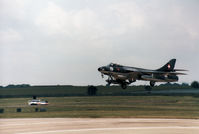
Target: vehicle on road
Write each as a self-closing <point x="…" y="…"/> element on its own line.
<point x="37" y="102"/>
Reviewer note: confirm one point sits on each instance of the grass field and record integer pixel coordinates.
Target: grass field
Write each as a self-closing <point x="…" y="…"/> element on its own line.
<point x="106" y="106"/>
<point x="61" y="91"/>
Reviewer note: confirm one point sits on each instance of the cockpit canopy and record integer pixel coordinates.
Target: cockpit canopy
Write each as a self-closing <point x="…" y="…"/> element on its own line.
<point x="114" y="65"/>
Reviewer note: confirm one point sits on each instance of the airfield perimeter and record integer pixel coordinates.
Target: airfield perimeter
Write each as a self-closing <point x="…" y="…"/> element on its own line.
<point x="160" y="112"/>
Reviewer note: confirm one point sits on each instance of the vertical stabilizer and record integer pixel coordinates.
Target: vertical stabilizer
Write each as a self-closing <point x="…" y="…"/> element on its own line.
<point x="169" y="66"/>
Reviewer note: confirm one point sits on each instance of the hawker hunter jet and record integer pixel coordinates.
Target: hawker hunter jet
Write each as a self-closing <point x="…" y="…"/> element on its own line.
<point x="125" y="75"/>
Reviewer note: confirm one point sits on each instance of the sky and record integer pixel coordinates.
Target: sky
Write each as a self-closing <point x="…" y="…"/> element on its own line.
<point x="63" y="42"/>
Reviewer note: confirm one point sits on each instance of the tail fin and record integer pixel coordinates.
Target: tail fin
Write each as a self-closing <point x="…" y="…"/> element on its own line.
<point x="169" y="66"/>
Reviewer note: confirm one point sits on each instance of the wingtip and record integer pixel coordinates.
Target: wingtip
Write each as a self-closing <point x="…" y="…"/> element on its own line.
<point x="182" y="74"/>
<point x="180" y="70"/>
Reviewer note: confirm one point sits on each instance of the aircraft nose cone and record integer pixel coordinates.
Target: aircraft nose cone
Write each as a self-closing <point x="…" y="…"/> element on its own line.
<point x="99" y="69"/>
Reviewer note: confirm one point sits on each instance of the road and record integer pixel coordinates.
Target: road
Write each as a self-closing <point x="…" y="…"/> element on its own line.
<point x="98" y="126"/>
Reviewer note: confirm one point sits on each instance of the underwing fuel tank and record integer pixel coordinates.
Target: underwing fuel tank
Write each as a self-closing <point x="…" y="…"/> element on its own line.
<point x="160" y="78"/>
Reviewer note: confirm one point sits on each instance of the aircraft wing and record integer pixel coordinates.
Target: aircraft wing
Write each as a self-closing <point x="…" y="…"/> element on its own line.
<point x="162" y="73"/>
<point x="180" y="70"/>
<point x="166" y="73"/>
<point x="135" y="71"/>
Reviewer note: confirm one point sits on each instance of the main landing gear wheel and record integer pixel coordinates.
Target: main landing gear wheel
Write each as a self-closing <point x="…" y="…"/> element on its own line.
<point x="152" y="83"/>
<point x="124" y="86"/>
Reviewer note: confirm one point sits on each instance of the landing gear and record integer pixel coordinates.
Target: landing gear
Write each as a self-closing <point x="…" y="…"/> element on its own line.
<point x="152" y="83"/>
<point x="102" y="75"/>
<point x="109" y="81"/>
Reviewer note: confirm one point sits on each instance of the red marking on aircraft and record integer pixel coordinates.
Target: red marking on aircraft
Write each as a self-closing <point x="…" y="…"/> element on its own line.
<point x="169" y="66"/>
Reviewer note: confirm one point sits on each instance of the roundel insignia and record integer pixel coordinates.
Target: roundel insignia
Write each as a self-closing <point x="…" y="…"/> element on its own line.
<point x="169" y="66"/>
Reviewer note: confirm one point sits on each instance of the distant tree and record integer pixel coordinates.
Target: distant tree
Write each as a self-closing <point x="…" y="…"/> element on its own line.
<point x="34" y="97"/>
<point x="92" y="90"/>
<point x="195" y="84"/>
<point x="17" y="86"/>
<point x="185" y="84"/>
<point x="24" y="85"/>
<point x="10" y="86"/>
<point x="175" y="84"/>
<point x="1" y="110"/>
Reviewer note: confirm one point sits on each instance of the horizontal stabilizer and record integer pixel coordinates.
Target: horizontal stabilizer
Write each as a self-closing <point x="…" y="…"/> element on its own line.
<point x="177" y="73"/>
<point x="180" y="70"/>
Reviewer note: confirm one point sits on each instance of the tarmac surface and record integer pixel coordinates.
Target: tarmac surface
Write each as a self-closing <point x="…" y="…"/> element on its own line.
<point x="98" y="126"/>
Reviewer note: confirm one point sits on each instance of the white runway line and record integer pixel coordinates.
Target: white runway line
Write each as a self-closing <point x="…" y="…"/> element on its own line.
<point x="108" y="129"/>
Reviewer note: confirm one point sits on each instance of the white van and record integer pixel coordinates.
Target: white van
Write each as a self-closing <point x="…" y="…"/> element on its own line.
<point x="37" y="102"/>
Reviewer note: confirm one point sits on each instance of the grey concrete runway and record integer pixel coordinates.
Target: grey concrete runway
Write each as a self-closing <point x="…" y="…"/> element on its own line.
<point x="98" y="126"/>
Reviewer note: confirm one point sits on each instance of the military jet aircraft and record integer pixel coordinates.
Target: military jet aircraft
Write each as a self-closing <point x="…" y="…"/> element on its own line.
<point x="125" y="75"/>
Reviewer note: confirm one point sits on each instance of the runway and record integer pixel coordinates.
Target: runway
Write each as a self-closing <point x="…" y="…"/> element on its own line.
<point x="98" y="126"/>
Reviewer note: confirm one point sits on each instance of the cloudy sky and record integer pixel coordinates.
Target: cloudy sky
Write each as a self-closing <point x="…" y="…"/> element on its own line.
<point x="47" y="42"/>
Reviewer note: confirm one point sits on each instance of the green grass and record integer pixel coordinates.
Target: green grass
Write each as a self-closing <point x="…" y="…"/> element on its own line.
<point x="61" y="91"/>
<point x="106" y="106"/>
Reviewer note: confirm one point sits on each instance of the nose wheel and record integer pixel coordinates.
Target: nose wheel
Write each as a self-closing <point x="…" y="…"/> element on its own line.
<point x="102" y="75"/>
<point x="109" y="81"/>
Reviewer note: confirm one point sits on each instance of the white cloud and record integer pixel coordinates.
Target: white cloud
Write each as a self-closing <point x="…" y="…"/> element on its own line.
<point x="55" y="20"/>
<point x="14" y="9"/>
<point x="116" y="19"/>
<point x="129" y="14"/>
<point x="10" y="36"/>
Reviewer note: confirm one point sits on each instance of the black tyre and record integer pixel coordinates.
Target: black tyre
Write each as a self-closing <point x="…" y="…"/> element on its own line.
<point x="152" y="83"/>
